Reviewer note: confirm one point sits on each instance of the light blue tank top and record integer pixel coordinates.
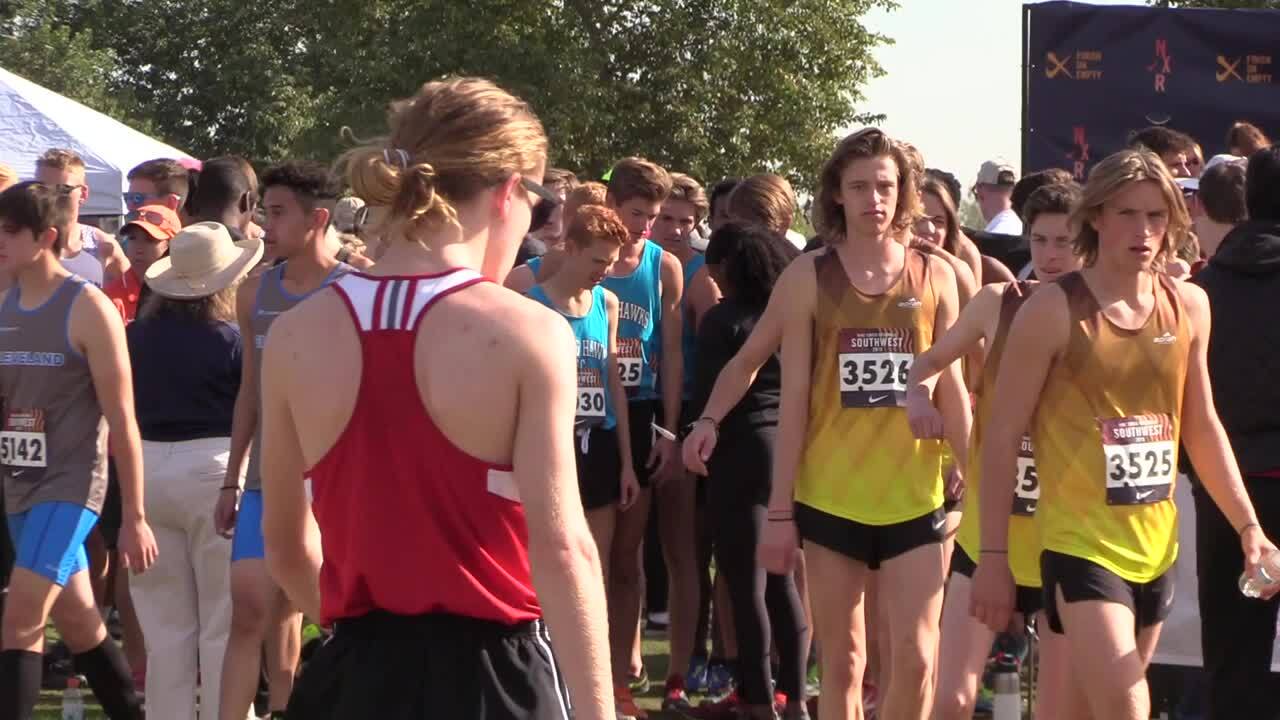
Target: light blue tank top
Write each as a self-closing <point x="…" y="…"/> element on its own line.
<point x="595" y="407"/>
<point x="689" y="336"/>
<point x="85" y="264"/>
<point x="640" y="324"/>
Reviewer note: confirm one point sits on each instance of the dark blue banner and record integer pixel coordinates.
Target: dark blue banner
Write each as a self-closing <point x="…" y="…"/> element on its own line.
<point x="1095" y="75"/>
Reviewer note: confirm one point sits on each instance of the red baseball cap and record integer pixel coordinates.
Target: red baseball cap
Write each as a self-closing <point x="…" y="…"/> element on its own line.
<point x="158" y="221"/>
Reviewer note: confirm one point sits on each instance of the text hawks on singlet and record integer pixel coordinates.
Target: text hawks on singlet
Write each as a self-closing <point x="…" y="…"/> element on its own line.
<point x="634" y="313"/>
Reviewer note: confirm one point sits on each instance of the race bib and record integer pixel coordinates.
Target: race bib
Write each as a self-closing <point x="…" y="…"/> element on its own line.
<point x="1026" y="494"/>
<point x="873" y="364"/>
<point x="630" y="362"/>
<point x="1142" y="459"/>
<point x="591" y="399"/>
<point x="22" y="440"/>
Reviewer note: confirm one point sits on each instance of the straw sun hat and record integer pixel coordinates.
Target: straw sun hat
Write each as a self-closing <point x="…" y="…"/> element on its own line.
<point x="203" y="260"/>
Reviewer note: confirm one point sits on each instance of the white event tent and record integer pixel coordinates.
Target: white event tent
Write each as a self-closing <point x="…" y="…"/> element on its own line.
<point x="34" y="119"/>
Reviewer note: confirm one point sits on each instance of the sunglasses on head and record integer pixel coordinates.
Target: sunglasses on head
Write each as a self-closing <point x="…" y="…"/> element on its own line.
<point x="147" y="216"/>
<point x="544" y="208"/>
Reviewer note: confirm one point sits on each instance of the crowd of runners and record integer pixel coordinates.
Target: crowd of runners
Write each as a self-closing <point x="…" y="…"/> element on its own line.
<point x="443" y="400"/>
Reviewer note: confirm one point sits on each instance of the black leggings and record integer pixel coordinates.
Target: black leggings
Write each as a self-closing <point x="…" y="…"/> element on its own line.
<point x="763" y="603"/>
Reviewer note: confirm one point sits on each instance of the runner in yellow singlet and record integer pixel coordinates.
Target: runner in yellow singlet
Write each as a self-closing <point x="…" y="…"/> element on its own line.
<point x="984" y="322"/>
<point x="1108" y="368"/>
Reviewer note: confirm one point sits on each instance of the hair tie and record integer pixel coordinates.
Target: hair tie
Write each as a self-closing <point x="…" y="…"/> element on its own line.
<point x="402" y="158"/>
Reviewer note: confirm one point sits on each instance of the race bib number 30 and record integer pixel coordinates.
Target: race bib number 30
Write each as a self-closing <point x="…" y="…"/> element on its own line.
<point x="22" y="439"/>
<point x="630" y="362"/>
<point x="591" y="398"/>
<point x="1142" y="459"/>
<point x="873" y="366"/>
<point x="1026" y="494"/>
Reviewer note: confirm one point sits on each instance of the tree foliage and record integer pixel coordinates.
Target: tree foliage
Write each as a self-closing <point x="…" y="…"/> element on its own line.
<point x="714" y="88"/>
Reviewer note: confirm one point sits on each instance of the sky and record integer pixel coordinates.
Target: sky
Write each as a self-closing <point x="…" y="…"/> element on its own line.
<point x="953" y="79"/>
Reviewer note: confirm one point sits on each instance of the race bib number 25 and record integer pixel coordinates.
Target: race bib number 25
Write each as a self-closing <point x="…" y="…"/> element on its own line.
<point x="873" y="364"/>
<point x="1141" y="457"/>
<point x="630" y="362"/>
<point x="22" y="440"/>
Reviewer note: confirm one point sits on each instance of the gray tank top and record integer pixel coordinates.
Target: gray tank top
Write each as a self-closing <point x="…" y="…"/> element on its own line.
<point x="53" y="438"/>
<point x="85" y="264"/>
<point x="272" y="300"/>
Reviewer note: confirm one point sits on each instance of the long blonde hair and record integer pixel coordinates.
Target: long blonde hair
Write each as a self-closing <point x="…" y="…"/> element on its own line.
<point x="1110" y="177"/>
<point x="448" y="142"/>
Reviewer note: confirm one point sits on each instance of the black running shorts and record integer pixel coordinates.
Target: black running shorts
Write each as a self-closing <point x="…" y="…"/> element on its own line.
<point x="1027" y="600"/>
<point x="431" y="667"/>
<point x="869" y="544"/>
<point x="599" y="468"/>
<point x="1082" y="580"/>
<point x="640" y="415"/>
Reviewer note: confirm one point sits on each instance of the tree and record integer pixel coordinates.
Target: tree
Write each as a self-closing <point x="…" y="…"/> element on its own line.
<point x="35" y="42"/>
<point x="713" y="88"/>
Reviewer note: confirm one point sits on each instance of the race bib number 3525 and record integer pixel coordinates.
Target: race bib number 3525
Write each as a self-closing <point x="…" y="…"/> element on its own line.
<point x="873" y="364"/>
<point x="1141" y="459"/>
<point x="22" y="440"/>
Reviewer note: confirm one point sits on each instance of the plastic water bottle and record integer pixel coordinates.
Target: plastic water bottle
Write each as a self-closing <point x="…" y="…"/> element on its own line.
<point x="1007" y="684"/>
<point x="73" y="700"/>
<point x="1266" y="576"/>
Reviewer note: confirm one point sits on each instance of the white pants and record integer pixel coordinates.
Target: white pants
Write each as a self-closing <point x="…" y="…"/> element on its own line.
<point x="184" y="600"/>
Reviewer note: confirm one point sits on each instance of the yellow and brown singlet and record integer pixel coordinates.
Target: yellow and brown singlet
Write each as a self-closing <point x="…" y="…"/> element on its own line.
<point x="860" y="460"/>
<point x="1106" y="436"/>
<point x="1024" y="539"/>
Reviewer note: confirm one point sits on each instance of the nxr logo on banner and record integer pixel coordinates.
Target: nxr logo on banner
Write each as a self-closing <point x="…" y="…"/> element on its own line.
<point x="1163" y="65"/>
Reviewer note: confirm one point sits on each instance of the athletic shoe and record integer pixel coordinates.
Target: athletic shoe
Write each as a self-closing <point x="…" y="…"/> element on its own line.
<point x="625" y="705"/>
<point x="657" y="623"/>
<point x="812" y="681"/>
<point x="719" y="680"/>
<point x="695" y="681"/>
<point x="726" y="709"/>
<point x="674" y="697"/>
<point x="640" y="684"/>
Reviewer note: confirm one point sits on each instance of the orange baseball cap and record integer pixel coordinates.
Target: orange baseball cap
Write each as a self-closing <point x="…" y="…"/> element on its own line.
<point x="158" y="221"/>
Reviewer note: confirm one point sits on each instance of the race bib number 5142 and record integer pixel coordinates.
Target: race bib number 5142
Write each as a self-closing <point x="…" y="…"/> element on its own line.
<point x="873" y="364"/>
<point x="22" y="439"/>
<point x="1142" y="459"/>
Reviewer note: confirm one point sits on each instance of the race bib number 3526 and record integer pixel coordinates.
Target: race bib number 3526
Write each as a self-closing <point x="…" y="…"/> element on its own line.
<point x="22" y="440"/>
<point x="873" y="364"/>
<point x="1141" y="459"/>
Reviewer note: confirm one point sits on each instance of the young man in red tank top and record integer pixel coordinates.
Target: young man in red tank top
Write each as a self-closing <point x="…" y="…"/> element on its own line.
<point x="442" y="481"/>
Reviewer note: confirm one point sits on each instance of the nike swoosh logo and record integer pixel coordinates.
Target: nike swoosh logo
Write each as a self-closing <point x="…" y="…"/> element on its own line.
<point x="1145" y="495"/>
<point x="938" y="525"/>
<point x="1031" y="509"/>
<point x="876" y="398"/>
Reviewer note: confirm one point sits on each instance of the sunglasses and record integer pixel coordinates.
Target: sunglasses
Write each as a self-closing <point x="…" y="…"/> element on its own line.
<point x="544" y="208"/>
<point x="147" y="216"/>
<point x="134" y="199"/>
